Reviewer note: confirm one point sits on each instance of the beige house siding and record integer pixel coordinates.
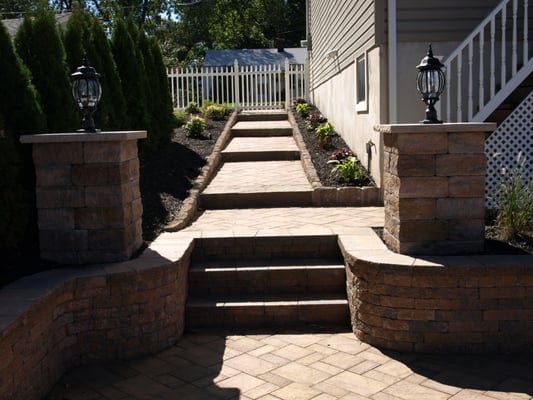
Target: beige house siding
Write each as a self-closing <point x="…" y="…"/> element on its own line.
<point x="345" y="26"/>
<point x="353" y="29"/>
<point x="440" y="21"/>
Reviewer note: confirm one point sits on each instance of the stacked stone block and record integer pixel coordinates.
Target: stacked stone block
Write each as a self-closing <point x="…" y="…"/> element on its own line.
<point x="88" y="197"/>
<point x="434" y="187"/>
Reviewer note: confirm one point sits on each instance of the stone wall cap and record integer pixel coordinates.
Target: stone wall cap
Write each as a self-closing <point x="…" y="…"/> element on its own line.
<point x="437" y="128"/>
<point x="111" y="136"/>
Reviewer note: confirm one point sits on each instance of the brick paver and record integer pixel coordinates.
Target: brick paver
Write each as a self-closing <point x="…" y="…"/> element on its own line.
<point x="298" y="365"/>
<point x="259" y="176"/>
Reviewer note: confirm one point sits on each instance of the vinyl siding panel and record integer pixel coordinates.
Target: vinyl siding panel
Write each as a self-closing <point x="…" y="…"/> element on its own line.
<point x="345" y="26"/>
<point x="439" y="21"/>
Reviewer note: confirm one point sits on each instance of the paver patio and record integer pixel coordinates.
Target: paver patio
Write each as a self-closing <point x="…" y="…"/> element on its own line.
<point x="298" y="366"/>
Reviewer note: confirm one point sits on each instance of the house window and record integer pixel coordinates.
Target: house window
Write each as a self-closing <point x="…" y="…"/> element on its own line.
<point x="361" y="84"/>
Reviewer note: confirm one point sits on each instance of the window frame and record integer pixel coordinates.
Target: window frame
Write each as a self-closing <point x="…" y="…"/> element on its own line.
<point x="361" y="71"/>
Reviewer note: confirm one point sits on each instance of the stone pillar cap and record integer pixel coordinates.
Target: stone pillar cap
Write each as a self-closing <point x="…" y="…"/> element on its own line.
<point x="111" y="136"/>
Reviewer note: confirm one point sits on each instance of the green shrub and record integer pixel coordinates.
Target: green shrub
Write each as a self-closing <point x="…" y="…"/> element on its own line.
<point x="195" y="127"/>
<point x="192" y="108"/>
<point x="180" y="118"/>
<point x="314" y="120"/>
<point x="215" y="111"/>
<point x="514" y="202"/>
<point x="349" y="169"/>
<point x="324" y="133"/>
<point x="302" y="109"/>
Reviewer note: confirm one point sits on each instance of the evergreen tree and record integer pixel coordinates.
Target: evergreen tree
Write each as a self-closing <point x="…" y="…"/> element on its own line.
<point x="164" y="97"/>
<point x="85" y="36"/>
<point x="39" y="45"/>
<point x="130" y="67"/>
<point x="111" y="112"/>
<point x="20" y="113"/>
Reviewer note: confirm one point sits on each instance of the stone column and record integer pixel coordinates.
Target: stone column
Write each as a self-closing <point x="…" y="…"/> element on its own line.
<point x="88" y="198"/>
<point x="434" y="187"/>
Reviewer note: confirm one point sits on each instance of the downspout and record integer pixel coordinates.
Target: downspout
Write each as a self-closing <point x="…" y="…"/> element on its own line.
<point x="393" y="59"/>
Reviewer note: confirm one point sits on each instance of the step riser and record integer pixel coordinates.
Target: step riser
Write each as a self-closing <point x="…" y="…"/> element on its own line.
<point x="206" y="282"/>
<point x="260" y="156"/>
<point x="266" y="248"/>
<point x="290" y="315"/>
<point x="257" y="132"/>
<point x="221" y="201"/>
<point x="281" y="116"/>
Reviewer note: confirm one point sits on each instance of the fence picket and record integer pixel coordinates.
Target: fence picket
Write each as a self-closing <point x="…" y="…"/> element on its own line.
<point x="264" y="86"/>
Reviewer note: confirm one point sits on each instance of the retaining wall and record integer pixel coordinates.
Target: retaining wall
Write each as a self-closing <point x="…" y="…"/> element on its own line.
<point x="477" y="303"/>
<point x="55" y="320"/>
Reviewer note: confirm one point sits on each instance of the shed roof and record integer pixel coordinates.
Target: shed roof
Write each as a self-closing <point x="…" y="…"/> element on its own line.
<point x="215" y="58"/>
<point x="13" y="25"/>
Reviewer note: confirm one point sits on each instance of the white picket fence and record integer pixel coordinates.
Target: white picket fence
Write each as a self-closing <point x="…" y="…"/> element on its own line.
<point x="242" y="86"/>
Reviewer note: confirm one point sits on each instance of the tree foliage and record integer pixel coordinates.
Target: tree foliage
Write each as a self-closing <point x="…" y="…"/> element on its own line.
<point x="39" y="45"/>
<point x="85" y="36"/>
<point x="185" y="29"/>
<point x="20" y="114"/>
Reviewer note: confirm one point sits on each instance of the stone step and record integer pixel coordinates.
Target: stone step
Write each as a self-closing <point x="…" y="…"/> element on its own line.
<point x="262" y="115"/>
<point x="265" y="249"/>
<point x="243" y="149"/>
<point x="258" y="184"/>
<point x="221" y="201"/>
<point x="261" y="128"/>
<point x="277" y="277"/>
<point x="254" y="312"/>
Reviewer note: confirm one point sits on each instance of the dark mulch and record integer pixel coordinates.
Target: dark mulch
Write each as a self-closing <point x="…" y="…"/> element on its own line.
<point x="167" y="176"/>
<point x="320" y="155"/>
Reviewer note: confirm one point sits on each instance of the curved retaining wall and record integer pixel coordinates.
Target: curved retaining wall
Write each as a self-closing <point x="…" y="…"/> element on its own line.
<point x="431" y="304"/>
<point x="55" y="320"/>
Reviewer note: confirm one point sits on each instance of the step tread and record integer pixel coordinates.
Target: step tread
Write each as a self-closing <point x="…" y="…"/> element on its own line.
<point x="208" y="266"/>
<point x="260" y="144"/>
<point x="268" y="300"/>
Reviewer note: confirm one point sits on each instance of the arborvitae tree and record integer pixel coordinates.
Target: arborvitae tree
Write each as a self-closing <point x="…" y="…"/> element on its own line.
<point x="39" y="45"/>
<point x="154" y="130"/>
<point x="20" y="113"/>
<point x="75" y="39"/>
<point x="112" y="111"/>
<point x="85" y="36"/>
<point x="164" y="102"/>
<point x="131" y="71"/>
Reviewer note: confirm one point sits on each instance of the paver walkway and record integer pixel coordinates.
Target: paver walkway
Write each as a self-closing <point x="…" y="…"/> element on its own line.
<point x="298" y="366"/>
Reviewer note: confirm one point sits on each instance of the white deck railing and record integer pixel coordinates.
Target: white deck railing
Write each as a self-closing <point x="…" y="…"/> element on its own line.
<point x="489" y="64"/>
<point x="262" y="86"/>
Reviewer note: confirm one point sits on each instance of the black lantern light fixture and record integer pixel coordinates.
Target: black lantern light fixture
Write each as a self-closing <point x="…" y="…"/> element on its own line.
<point x="430" y="84"/>
<point x="86" y="91"/>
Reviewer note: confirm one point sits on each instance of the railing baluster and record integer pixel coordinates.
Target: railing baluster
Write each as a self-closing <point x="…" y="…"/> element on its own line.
<point x="515" y="37"/>
<point x="448" y="91"/>
<point x="526" y="32"/>
<point x="459" y="87"/>
<point x="470" y="81"/>
<point x="503" y="61"/>
<point x="493" y="57"/>
<point x="481" y="68"/>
